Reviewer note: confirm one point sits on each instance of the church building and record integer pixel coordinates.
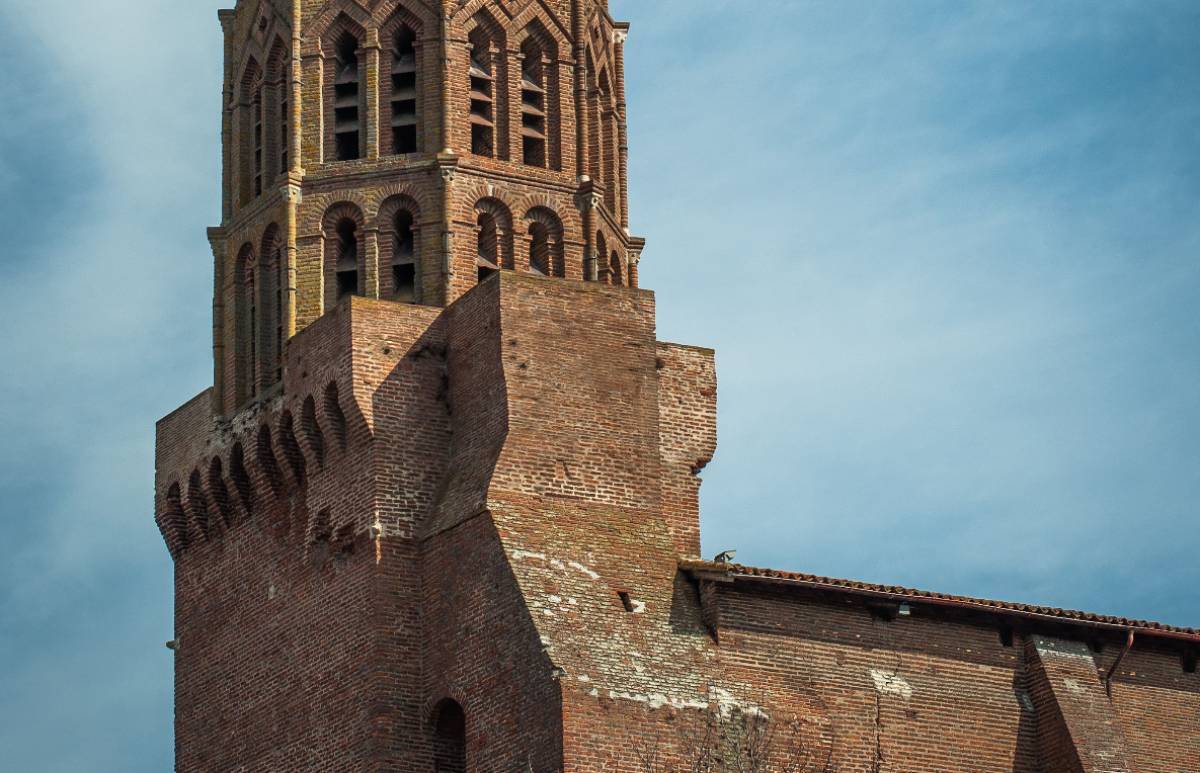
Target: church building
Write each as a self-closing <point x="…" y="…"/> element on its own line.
<point x="439" y="510"/>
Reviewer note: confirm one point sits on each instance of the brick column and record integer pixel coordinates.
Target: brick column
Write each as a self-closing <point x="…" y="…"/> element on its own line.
<point x="620" y="35"/>
<point x="370" y="262"/>
<point x="227" y="18"/>
<point x="296" y="102"/>
<point x="216" y="239"/>
<point x="1078" y="731"/>
<point x="580" y="76"/>
<point x="370" y="131"/>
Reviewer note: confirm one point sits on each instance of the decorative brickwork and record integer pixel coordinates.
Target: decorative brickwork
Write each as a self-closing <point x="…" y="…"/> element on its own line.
<point x="440" y="509"/>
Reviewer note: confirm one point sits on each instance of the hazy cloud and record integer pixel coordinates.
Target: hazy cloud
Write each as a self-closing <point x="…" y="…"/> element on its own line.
<point x="946" y="252"/>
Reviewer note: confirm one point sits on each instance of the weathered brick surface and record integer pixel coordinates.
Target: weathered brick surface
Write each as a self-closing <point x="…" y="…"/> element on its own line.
<point x="488" y="498"/>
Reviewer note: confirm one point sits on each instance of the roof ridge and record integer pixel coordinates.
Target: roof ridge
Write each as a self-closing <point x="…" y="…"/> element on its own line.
<point x="735" y="571"/>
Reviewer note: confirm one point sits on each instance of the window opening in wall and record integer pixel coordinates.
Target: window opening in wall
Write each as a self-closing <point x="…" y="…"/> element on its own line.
<point x="346" y="99"/>
<point x="539" y="249"/>
<point x="533" y="109"/>
<point x="1189" y="662"/>
<point x="347" y="262"/>
<point x="258" y="140"/>
<point x="488" y="259"/>
<point x="1006" y="637"/>
<point x="404" y="92"/>
<point x="404" y="260"/>
<point x="626" y="600"/>
<point x="483" y="115"/>
<point x="450" y="739"/>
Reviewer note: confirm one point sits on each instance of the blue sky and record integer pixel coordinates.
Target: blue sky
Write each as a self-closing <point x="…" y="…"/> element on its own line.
<point x="947" y="253"/>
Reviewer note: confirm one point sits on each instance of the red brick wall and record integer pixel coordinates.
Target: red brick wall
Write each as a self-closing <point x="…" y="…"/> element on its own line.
<point x="503" y="527"/>
<point x="912" y="693"/>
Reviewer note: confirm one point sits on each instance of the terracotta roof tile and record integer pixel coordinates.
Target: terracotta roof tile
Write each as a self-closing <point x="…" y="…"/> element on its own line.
<point x="736" y="572"/>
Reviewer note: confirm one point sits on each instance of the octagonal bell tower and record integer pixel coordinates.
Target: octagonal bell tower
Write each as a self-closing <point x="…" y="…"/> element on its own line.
<point x="405" y="149"/>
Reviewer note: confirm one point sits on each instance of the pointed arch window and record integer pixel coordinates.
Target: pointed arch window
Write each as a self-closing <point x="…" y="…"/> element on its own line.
<point x="258" y="129"/>
<point x="606" y="136"/>
<point x="483" y="104"/>
<point x="404" y="91"/>
<point x="346" y="267"/>
<point x="249" y="126"/>
<point x="285" y="116"/>
<point x="487" y="85"/>
<point x="539" y="98"/>
<point x="534" y="128"/>
<point x="346" y="99"/>
<point x="615" y="274"/>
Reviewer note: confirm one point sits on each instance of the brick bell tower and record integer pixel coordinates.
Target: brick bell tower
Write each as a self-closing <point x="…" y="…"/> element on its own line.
<point x="442" y="482"/>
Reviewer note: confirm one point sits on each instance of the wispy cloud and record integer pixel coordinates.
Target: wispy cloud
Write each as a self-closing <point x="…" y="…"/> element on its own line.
<point x="946" y="250"/>
<point x="953" y="269"/>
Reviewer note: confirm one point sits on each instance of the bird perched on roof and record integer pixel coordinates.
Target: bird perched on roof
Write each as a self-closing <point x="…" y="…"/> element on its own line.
<point x="726" y="557"/>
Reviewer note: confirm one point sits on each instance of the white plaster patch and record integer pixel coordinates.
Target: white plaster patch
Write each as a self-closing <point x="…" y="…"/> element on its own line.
<point x="519" y="555"/>
<point x="887" y="683"/>
<point x="580" y="567"/>
<point x="1074" y="687"/>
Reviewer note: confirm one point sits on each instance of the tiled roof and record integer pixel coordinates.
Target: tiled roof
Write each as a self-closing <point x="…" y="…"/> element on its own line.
<point x="736" y="572"/>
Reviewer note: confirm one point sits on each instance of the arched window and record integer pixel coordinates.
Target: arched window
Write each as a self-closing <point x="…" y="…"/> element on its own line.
<point x="404" y="258"/>
<point x="487" y="87"/>
<point x="545" y="242"/>
<point x="346" y="98"/>
<point x="347" y="258"/>
<point x="488" y="245"/>
<point x="279" y="93"/>
<point x="608" y="140"/>
<point x="534" y="127"/>
<point x="246" y="328"/>
<point x="249" y="119"/>
<point x="615" y="275"/>
<point x="258" y="108"/>
<point x="493" y="237"/>
<point x="404" y="91"/>
<point x="344" y="253"/>
<point x="449" y="738"/>
<point x="539" y="98"/>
